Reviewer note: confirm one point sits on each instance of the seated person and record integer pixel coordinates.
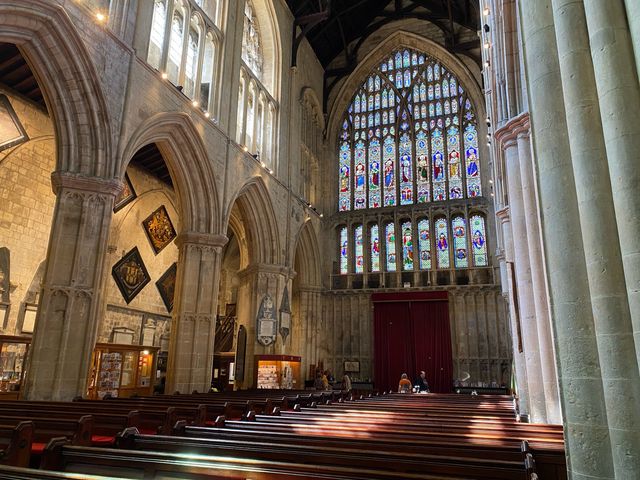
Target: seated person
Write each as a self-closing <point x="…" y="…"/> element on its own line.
<point x="405" y="384"/>
<point x="421" y="382"/>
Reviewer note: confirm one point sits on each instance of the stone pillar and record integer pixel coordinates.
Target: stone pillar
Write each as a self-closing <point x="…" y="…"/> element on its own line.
<point x="520" y="364"/>
<point x="598" y="220"/>
<point x="633" y="16"/>
<point x="258" y="280"/>
<point x="304" y="335"/>
<point x="67" y="322"/>
<point x="579" y="376"/>
<point x="537" y="407"/>
<point x="538" y="282"/>
<point x="193" y="325"/>
<point x="619" y="97"/>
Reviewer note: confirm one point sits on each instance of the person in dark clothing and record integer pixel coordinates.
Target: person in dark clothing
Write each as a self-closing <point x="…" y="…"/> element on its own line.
<point x="421" y="382"/>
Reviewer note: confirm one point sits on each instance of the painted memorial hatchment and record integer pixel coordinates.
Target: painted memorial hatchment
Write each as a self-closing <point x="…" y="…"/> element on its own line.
<point x="127" y="195"/>
<point x="267" y="321"/>
<point x="166" y="286"/>
<point x="285" y="315"/>
<point x="130" y="274"/>
<point x="159" y="229"/>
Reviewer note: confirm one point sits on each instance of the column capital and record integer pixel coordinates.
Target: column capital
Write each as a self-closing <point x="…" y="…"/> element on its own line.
<point x="76" y="181"/>
<point x="202" y="239"/>
<point x="503" y="214"/>
<point x="507" y="136"/>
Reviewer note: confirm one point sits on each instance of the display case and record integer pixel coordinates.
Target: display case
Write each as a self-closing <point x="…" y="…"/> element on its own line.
<point x="122" y="370"/>
<point x="277" y="372"/>
<point x="13" y="357"/>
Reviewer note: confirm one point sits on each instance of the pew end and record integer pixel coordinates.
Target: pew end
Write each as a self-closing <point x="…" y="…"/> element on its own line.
<point x="52" y="456"/>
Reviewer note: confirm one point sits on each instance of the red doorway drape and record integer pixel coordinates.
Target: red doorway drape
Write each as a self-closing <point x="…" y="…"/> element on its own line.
<point x="412" y="333"/>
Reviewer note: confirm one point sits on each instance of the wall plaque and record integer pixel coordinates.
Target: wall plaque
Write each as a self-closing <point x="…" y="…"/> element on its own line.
<point x="130" y="274"/>
<point x="285" y="315"/>
<point x="267" y="322"/>
<point x="127" y="195"/>
<point x="159" y="229"/>
<point x="167" y="285"/>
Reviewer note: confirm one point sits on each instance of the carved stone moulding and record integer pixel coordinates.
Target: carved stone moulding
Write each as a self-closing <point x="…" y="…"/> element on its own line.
<point x="166" y="286"/>
<point x="130" y="274"/>
<point x="159" y="229"/>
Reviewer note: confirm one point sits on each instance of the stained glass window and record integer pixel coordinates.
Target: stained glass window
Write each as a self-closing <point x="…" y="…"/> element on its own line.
<point x="459" y="229"/>
<point x="407" y="246"/>
<point x="478" y="241"/>
<point x="375" y="248"/>
<point x="345" y="184"/>
<point x="424" y="244"/>
<point x="390" y="234"/>
<point x="344" y="251"/>
<point x="359" y="250"/>
<point x="442" y="243"/>
<point x="414" y="133"/>
<point x="251" y="45"/>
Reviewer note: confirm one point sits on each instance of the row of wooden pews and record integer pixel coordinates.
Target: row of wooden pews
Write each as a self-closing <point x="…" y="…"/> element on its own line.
<point x="284" y="434"/>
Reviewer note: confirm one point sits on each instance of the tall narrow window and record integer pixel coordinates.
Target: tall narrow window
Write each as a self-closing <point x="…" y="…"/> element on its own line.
<point x="424" y="244"/>
<point x="473" y="163"/>
<point x="442" y="243"/>
<point x="389" y="158"/>
<point x="478" y="241"/>
<point x="345" y="173"/>
<point x="374" y="240"/>
<point x="422" y="177"/>
<point x="439" y="180"/>
<point x="374" y="173"/>
<point x="156" y="39"/>
<point x="251" y="117"/>
<point x="360" y="191"/>
<point x="359" y="250"/>
<point x="459" y="229"/>
<point x="240" y="119"/>
<point x="206" y="79"/>
<point x="390" y="244"/>
<point x="407" y="246"/>
<point x="251" y="46"/>
<point x="406" y="171"/>
<point x="259" y="123"/>
<point x="455" y="172"/>
<point x="191" y="62"/>
<point x="344" y="251"/>
<point x="174" y="59"/>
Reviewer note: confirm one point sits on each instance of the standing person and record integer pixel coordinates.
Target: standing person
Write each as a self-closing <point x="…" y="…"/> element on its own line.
<point x="405" y="384"/>
<point x="346" y="382"/>
<point x="325" y="380"/>
<point x="421" y="382"/>
<point x="317" y="384"/>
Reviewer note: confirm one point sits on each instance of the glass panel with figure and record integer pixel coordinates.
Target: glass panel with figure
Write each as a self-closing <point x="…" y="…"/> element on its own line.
<point x="375" y="248"/>
<point x="424" y="244"/>
<point x="359" y="250"/>
<point x="478" y="241"/>
<point x="407" y="246"/>
<point x="442" y="243"/>
<point x="390" y="245"/>
<point x="459" y="229"/>
<point x="344" y="251"/>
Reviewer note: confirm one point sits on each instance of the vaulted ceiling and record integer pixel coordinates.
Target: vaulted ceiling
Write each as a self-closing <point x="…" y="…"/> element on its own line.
<point x="332" y="25"/>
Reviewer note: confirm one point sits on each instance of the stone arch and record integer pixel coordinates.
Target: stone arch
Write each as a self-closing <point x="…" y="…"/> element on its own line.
<point x="257" y="216"/>
<point x="56" y="54"/>
<point x="398" y="40"/>
<point x="307" y="247"/>
<point x="186" y="158"/>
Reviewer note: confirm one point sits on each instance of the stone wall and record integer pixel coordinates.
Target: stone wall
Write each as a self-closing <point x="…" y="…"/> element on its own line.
<point x="26" y="208"/>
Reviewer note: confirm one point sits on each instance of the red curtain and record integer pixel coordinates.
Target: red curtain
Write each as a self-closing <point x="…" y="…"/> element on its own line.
<point x="411" y="336"/>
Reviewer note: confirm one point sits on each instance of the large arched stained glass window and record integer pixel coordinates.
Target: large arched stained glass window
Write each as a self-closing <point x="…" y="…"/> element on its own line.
<point x="442" y="243"/>
<point x="390" y="244"/>
<point x="359" y="250"/>
<point x="374" y="240"/>
<point x="424" y="244"/>
<point x="344" y="250"/>
<point x="411" y="137"/>
<point x="478" y="241"/>
<point x="459" y="229"/>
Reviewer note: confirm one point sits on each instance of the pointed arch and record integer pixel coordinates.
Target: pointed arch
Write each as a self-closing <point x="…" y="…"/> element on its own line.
<point x="307" y="252"/>
<point x="258" y="219"/>
<point x="57" y="56"/>
<point x="186" y="158"/>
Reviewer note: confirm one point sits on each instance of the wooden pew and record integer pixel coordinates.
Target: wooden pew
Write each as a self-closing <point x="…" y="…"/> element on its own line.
<point x="77" y="431"/>
<point x="15" y="444"/>
<point x="21" y="473"/>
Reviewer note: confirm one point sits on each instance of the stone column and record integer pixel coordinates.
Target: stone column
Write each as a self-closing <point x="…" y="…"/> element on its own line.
<point x="579" y="376"/>
<point x="193" y="325"/>
<point x="597" y="217"/>
<point x="67" y="321"/>
<point x="633" y="16"/>
<point x="619" y="97"/>
<point x="537" y="407"/>
<point x="516" y="337"/>
<point x="538" y="283"/>
<point x="258" y="280"/>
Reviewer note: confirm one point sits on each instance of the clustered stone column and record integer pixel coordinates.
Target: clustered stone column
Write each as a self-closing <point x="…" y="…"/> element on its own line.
<point x="193" y="326"/>
<point x="67" y="322"/>
<point x="585" y="98"/>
